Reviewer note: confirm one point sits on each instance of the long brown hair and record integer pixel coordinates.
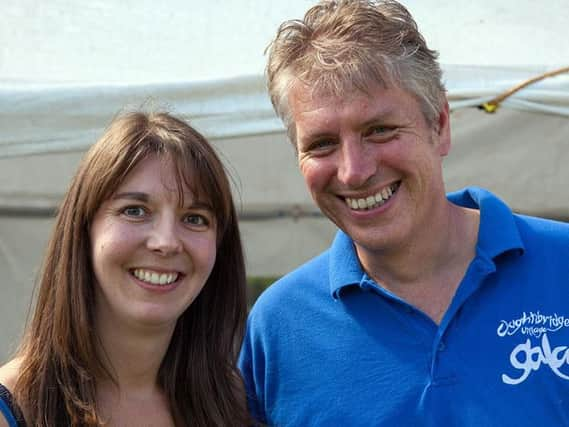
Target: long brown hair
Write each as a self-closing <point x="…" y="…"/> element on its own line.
<point x="59" y="361"/>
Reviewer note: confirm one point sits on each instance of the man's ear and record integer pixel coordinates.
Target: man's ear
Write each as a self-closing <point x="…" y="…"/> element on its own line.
<point x="442" y="130"/>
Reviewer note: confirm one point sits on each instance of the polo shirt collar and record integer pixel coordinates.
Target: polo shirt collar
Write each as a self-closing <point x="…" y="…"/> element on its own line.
<point x="498" y="234"/>
<point x="345" y="267"/>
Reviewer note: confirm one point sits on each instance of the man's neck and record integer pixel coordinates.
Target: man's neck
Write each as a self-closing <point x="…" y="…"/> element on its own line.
<point x="427" y="271"/>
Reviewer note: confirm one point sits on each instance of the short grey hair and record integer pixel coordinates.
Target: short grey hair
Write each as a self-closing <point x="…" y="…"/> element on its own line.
<point x="346" y="45"/>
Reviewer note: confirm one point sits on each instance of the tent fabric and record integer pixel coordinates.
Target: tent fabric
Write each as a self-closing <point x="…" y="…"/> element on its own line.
<point x="52" y="118"/>
<point x="55" y="118"/>
<point x="46" y="128"/>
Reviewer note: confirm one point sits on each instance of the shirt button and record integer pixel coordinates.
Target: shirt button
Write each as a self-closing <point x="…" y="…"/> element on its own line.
<point x="442" y="346"/>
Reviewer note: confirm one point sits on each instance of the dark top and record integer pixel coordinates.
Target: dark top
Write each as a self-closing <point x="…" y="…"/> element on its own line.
<point x="10" y="409"/>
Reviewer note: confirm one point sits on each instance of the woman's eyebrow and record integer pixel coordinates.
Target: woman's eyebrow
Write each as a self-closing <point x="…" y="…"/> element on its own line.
<point x="200" y="205"/>
<point x="135" y="195"/>
<point x="144" y="197"/>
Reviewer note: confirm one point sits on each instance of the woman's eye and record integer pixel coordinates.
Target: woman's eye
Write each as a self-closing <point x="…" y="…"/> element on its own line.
<point x="196" y="220"/>
<point x="134" y="211"/>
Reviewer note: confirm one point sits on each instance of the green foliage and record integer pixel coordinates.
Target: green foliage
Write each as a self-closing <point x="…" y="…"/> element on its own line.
<point x="255" y="287"/>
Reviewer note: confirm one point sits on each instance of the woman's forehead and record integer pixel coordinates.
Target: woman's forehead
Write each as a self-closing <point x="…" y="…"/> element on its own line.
<point x="162" y="174"/>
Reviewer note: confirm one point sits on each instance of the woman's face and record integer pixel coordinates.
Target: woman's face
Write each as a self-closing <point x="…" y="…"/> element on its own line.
<point x="151" y="254"/>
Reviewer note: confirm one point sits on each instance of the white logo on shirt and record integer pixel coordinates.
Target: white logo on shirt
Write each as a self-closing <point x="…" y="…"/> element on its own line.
<point x="526" y="358"/>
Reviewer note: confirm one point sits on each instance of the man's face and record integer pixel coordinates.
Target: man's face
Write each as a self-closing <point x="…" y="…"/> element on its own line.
<point x="372" y="163"/>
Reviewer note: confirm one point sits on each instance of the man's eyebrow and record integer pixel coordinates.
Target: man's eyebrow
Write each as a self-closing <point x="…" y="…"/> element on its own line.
<point x="134" y="195"/>
<point x="317" y="135"/>
<point x="381" y="115"/>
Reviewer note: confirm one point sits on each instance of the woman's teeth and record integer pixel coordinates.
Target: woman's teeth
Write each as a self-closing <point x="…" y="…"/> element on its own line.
<point x="155" y="278"/>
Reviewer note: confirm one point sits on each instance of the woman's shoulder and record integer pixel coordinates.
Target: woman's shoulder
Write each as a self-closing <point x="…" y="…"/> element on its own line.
<point x="9" y="373"/>
<point x="8" y="377"/>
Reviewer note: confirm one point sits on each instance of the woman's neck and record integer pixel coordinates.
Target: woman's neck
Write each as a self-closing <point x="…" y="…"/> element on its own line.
<point x="132" y="356"/>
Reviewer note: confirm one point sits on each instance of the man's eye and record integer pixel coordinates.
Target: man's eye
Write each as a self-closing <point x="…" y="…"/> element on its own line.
<point x="379" y="130"/>
<point x="321" y="145"/>
<point x="134" y="211"/>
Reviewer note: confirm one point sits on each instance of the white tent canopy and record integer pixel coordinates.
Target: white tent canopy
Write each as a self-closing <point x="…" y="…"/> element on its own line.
<point x="67" y="68"/>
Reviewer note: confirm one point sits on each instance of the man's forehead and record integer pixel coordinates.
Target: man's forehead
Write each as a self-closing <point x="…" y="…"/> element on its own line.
<point x="377" y="98"/>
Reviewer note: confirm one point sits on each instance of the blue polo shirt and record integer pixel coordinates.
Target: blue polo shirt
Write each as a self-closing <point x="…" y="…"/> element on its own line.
<point x="327" y="346"/>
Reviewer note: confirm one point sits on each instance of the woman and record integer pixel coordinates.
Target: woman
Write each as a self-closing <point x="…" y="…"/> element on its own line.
<point x="141" y="301"/>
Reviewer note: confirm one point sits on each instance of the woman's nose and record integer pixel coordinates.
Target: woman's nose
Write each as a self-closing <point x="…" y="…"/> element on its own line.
<point x="164" y="237"/>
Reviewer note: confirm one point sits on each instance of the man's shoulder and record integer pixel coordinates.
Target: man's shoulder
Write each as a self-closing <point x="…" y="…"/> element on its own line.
<point x="312" y="273"/>
<point x="496" y="213"/>
<point x="290" y="291"/>
<point x="312" y="270"/>
<point x="543" y="229"/>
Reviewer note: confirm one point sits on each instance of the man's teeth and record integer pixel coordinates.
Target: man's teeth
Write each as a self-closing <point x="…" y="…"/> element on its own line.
<point x="371" y="202"/>
<point x="155" y="278"/>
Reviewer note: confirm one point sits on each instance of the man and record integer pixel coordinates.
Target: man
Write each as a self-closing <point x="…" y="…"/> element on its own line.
<point x="427" y="309"/>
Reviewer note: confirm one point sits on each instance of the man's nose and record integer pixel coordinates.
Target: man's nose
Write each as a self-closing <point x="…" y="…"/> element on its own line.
<point x="164" y="238"/>
<point x="357" y="164"/>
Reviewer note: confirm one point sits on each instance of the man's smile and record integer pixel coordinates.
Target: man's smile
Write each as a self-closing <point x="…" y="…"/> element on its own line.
<point x="374" y="200"/>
